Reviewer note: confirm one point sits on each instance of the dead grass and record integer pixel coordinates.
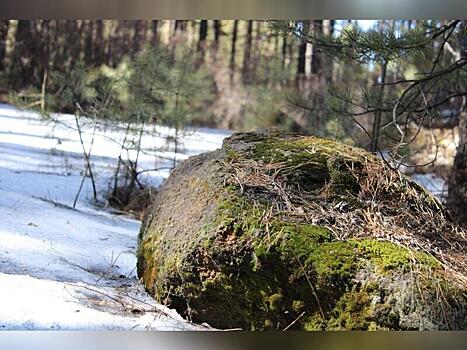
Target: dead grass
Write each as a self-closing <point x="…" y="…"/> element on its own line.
<point x="134" y="203"/>
<point x="388" y="206"/>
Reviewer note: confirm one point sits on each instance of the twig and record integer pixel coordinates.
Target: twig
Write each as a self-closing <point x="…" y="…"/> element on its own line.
<point x="119" y="161"/>
<point x="294" y="321"/>
<point x="88" y="163"/>
<point x="44" y="82"/>
<point x="112" y="264"/>
<point x="97" y="291"/>
<point x="312" y="288"/>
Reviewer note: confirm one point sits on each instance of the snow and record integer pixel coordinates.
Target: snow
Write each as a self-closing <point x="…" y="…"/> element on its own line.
<point x="436" y="185"/>
<point x="74" y="269"/>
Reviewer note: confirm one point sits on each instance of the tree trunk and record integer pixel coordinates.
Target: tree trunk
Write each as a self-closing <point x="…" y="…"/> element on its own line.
<point x="177" y="26"/>
<point x="284" y="51"/>
<point x="155" y="33"/>
<point x="138" y="27"/>
<point x="109" y="44"/>
<point x="203" y="33"/>
<point x="99" y="47"/>
<point x="54" y="47"/>
<point x="246" y="70"/>
<point x="46" y="43"/>
<point x="374" y="146"/>
<point x="328" y="60"/>
<point x="73" y="42"/>
<point x="88" y="42"/>
<point x="3" y="35"/>
<point x="34" y="51"/>
<point x="217" y="32"/>
<point x="316" y="57"/>
<point x="257" y="49"/>
<point x="201" y="48"/>
<point x="22" y="70"/>
<point x="114" y="45"/>
<point x="457" y="195"/>
<point x="42" y="44"/>
<point x="302" y="51"/>
<point x="233" y="49"/>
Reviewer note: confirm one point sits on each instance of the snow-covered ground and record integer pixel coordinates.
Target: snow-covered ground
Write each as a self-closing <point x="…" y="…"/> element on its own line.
<point x="434" y="184"/>
<point x="65" y="268"/>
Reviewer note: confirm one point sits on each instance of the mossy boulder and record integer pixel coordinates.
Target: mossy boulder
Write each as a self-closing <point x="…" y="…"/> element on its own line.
<point x="281" y="231"/>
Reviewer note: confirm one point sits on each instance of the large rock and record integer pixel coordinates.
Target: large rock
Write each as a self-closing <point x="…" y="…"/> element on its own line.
<point x="277" y="231"/>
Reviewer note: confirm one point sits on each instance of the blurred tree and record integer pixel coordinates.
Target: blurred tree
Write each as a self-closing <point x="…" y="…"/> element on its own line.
<point x="22" y="70"/>
<point x="246" y="69"/>
<point x="301" y="63"/>
<point x="457" y="196"/>
<point x="99" y="44"/>
<point x="155" y="33"/>
<point x="203" y="34"/>
<point x="4" y="25"/>
<point x="233" y="50"/>
<point x="89" y="43"/>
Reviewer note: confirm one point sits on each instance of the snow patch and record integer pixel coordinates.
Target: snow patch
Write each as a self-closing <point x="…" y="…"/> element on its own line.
<point x="63" y="268"/>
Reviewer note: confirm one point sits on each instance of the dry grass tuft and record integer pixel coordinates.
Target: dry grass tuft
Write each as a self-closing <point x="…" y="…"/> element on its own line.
<point x="387" y="206"/>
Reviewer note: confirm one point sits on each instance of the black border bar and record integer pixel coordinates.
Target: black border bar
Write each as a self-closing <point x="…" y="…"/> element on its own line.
<point x="232" y="9"/>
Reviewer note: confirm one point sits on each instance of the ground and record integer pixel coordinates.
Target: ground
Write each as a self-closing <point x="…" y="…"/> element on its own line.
<point x="63" y="268"/>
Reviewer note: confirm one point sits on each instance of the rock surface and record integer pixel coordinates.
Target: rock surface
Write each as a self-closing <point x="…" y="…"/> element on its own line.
<point x="282" y="231"/>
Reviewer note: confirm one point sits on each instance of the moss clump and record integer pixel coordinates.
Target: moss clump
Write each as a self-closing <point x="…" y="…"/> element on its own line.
<point x="278" y="235"/>
<point x="312" y="162"/>
<point x="388" y="256"/>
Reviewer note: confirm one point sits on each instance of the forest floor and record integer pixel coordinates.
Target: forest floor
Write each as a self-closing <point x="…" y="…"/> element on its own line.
<point x="64" y="268"/>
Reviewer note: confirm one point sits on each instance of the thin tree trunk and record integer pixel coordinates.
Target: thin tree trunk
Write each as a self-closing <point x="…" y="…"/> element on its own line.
<point x="54" y="40"/>
<point x="301" y="60"/>
<point x="203" y="33"/>
<point x="316" y="57"/>
<point x="256" y="49"/>
<point x="4" y="25"/>
<point x="457" y="193"/>
<point x="217" y="31"/>
<point x="374" y="146"/>
<point x="329" y="63"/>
<point x="246" y="70"/>
<point x="179" y="26"/>
<point x="88" y="43"/>
<point x="109" y="45"/>
<point x="217" y="35"/>
<point x="46" y="44"/>
<point x="116" y="43"/>
<point x="284" y="51"/>
<point x="233" y="49"/>
<point x="22" y="70"/>
<point x="137" y="37"/>
<point x="99" y="47"/>
<point x="74" y="41"/>
<point x="155" y="33"/>
<point x="201" y="48"/>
